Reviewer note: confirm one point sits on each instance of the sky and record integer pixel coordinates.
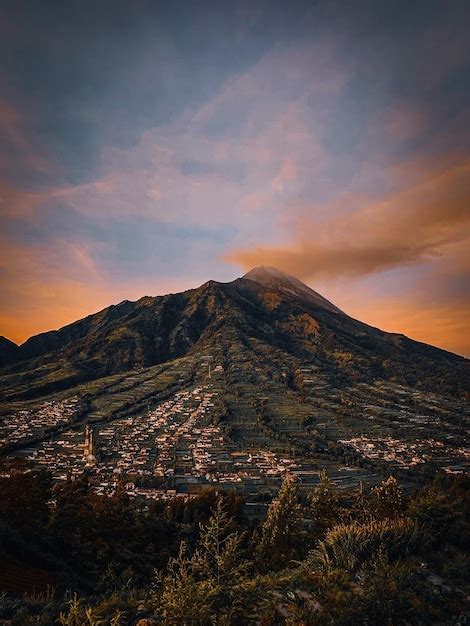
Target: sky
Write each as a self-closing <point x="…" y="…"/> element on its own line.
<point x="146" y="147"/>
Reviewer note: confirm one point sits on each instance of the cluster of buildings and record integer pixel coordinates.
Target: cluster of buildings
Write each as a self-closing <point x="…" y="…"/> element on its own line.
<point x="408" y="454"/>
<point x="26" y="425"/>
<point x="265" y="433"/>
<point x="64" y="456"/>
<point x="177" y="447"/>
<point x="126" y="446"/>
<point x="186" y="434"/>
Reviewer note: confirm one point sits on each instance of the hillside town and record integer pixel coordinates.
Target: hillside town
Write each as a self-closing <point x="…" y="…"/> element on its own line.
<point x="25" y="425"/>
<point x="182" y="445"/>
<point x="172" y="448"/>
<point x="236" y="427"/>
<point x="408" y="454"/>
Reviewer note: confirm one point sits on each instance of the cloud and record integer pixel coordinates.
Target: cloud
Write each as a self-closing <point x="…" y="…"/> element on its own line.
<point x="19" y="204"/>
<point x="400" y="263"/>
<point x="408" y="228"/>
<point x="12" y="133"/>
<point x="184" y="173"/>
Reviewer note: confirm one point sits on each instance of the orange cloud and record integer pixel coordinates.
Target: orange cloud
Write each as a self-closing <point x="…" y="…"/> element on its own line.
<point x="408" y="228"/>
<point x="427" y="224"/>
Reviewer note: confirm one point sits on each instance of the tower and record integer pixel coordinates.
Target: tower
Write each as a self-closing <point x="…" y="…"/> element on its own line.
<point x="90" y="445"/>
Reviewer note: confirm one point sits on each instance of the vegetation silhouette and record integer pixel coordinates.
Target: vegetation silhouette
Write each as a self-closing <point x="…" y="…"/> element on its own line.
<point x="364" y="557"/>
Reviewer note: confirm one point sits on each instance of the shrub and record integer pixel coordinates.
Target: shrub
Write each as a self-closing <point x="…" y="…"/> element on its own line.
<point x="386" y="500"/>
<point x="398" y="593"/>
<point x="78" y="615"/>
<point x="348" y="546"/>
<point x="442" y="514"/>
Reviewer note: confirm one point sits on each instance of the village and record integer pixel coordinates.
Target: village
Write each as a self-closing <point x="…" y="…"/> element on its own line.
<point x="25" y="425"/>
<point x="408" y="454"/>
<point x="174" y="448"/>
<point x="185" y="442"/>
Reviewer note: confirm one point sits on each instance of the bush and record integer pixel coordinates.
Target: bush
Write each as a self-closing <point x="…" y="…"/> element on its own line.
<point x="443" y="514"/>
<point x="79" y="615"/>
<point x="348" y="546"/>
<point x="398" y="593"/>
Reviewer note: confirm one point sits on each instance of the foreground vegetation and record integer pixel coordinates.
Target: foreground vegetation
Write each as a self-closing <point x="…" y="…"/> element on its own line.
<point x="373" y="557"/>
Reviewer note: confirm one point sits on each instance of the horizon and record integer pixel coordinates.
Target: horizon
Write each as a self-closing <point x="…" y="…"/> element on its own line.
<point x="197" y="287"/>
<point x="147" y="150"/>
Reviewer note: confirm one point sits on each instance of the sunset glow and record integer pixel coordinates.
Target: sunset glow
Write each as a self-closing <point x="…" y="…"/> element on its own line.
<point x="149" y="147"/>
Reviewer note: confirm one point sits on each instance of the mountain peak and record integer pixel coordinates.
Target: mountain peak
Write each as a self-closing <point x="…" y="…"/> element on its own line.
<point x="276" y="279"/>
<point x="8" y="350"/>
<point x="7" y="342"/>
<point x="266" y="271"/>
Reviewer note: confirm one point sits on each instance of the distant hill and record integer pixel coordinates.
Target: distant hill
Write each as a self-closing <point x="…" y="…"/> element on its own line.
<point x="266" y="306"/>
<point x="8" y="351"/>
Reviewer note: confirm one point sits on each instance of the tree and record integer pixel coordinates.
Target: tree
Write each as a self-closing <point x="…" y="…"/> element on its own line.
<point x="218" y="554"/>
<point x="386" y="500"/>
<point x="23" y="498"/>
<point x="324" y="506"/>
<point x="205" y="587"/>
<point x="281" y="533"/>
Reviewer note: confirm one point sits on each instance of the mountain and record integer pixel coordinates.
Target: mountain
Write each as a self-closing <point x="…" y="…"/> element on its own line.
<point x="291" y="375"/>
<point x="8" y="351"/>
<point x="265" y="306"/>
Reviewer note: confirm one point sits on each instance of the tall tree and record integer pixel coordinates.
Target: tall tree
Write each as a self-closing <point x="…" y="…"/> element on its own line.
<point x="324" y="506"/>
<point x="281" y="533"/>
<point x="205" y="587"/>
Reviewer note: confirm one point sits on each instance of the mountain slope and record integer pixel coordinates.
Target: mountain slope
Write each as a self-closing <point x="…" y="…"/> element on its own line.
<point x="8" y="351"/>
<point x="275" y="279"/>
<point x="264" y="306"/>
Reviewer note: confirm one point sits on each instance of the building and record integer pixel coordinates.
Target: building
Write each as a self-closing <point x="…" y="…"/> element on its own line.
<point x="91" y="445"/>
